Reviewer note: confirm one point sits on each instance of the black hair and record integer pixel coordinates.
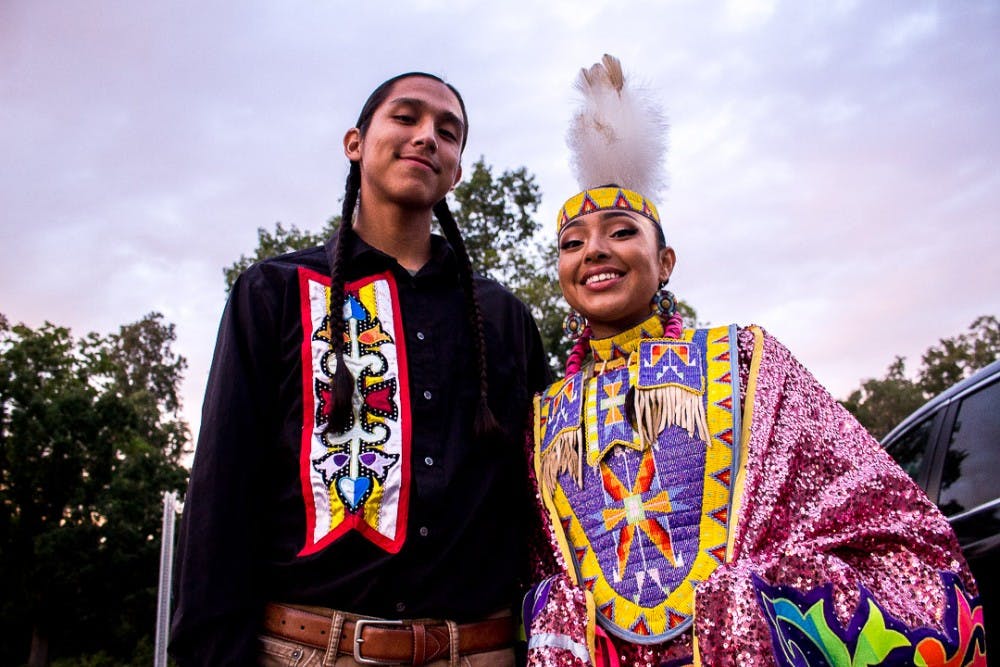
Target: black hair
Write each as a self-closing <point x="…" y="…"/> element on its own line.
<point x="661" y="239"/>
<point x="485" y="425"/>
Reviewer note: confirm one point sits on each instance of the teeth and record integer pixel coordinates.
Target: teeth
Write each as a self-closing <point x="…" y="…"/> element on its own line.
<point x="600" y="277"/>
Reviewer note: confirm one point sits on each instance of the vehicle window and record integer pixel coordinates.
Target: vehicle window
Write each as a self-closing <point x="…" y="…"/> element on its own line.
<point x="972" y="464"/>
<point x="909" y="449"/>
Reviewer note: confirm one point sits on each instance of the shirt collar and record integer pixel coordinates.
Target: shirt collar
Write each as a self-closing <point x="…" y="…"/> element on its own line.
<point x="366" y="259"/>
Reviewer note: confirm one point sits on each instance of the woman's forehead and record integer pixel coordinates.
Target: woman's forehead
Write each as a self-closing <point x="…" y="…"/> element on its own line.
<point x="600" y="218"/>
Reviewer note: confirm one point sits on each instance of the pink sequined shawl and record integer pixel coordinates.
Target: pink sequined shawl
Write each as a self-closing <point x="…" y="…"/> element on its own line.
<point x="818" y="502"/>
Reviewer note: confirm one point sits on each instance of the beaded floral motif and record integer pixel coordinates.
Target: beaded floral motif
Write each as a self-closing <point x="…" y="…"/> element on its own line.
<point x="806" y="633"/>
<point x="356" y="479"/>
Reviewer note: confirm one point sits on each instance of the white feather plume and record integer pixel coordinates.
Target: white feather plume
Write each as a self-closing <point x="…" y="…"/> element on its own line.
<point x="619" y="134"/>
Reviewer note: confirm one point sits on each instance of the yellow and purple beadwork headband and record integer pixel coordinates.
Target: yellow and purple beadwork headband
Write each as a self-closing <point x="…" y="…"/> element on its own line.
<point x="617" y="136"/>
<point x="602" y="199"/>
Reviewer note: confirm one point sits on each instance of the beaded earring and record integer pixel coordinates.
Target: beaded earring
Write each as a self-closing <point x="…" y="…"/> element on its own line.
<point x="574" y="324"/>
<point x="663" y="303"/>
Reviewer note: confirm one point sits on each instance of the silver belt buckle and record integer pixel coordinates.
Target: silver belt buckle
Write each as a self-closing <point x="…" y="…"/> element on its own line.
<point x="359" y="626"/>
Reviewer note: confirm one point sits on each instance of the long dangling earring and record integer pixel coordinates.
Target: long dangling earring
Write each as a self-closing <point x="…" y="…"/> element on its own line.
<point x="663" y="303"/>
<point x="574" y="324"/>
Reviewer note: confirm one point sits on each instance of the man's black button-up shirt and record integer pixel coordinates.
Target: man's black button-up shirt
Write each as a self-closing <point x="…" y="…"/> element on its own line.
<point x="244" y="523"/>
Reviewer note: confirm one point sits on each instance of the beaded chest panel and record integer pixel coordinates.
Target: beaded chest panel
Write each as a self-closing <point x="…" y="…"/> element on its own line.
<point x="357" y="479"/>
<point x="642" y="506"/>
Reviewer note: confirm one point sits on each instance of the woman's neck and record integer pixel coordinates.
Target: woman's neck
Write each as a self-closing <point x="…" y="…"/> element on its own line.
<point x="624" y="343"/>
<point x="401" y="233"/>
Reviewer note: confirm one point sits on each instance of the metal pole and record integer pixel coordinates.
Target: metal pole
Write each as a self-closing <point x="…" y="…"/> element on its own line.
<point x="166" y="578"/>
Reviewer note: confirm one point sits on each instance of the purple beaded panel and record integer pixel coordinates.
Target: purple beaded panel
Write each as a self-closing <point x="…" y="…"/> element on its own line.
<point x="565" y="408"/>
<point x="662" y="363"/>
<point x="649" y="574"/>
<point x="612" y="426"/>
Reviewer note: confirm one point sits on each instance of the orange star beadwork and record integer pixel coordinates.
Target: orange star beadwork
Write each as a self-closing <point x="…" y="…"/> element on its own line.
<point x="632" y="509"/>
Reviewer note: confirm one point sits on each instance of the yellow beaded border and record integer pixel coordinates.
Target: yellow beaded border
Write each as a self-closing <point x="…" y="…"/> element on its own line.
<point x="714" y="534"/>
<point x="602" y="199"/>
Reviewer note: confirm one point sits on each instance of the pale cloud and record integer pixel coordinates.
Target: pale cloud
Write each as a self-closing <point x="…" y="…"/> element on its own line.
<point x="833" y="166"/>
<point x="838" y="111"/>
<point x="747" y="14"/>
<point x="901" y="36"/>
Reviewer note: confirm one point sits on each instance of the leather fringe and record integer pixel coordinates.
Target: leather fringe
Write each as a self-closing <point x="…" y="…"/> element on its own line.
<point x="659" y="407"/>
<point x="565" y="454"/>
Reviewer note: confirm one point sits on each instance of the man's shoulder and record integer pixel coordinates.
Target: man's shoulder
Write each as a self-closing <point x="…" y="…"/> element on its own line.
<point x="275" y="275"/>
<point x="288" y="264"/>
<point x="498" y="303"/>
<point x="312" y="258"/>
<point x="494" y="290"/>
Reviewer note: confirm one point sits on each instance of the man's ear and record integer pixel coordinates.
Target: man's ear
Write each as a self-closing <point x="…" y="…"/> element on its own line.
<point x="352" y="144"/>
<point x="458" y="177"/>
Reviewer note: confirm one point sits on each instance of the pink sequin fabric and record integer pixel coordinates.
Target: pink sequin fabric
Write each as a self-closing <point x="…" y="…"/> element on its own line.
<point x="821" y="504"/>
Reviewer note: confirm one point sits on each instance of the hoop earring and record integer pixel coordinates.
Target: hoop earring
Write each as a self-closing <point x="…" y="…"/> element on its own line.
<point x="574" y="324"/>
<point x="663" y="303"/>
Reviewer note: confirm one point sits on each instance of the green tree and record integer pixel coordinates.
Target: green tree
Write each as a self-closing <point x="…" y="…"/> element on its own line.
<point x="496" y="216"/>
<point x="956" y="358"/>
<point x="496" y="213"/>
<point x="880" y="404"/>
<point x="507" y="243"/>
<point x="90" y="437"/>
<point x="279" y="242"/>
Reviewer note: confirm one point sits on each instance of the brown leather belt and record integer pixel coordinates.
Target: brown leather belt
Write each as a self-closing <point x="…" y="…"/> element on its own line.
<point x="379" y="642"/>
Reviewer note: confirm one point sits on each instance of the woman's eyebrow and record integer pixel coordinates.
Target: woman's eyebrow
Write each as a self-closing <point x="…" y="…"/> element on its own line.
<point x="569" y="225"/>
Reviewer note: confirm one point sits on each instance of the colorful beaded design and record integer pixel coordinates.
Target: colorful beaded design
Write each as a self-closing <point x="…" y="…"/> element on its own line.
<point x="643" y="520"/>
<point x="805" y="632"/>
<point x="601" y="199"/>
<point x="356" y="479"/>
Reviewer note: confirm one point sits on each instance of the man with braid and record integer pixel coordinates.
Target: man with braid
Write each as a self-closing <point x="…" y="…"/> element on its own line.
<point x="358" y="492"/>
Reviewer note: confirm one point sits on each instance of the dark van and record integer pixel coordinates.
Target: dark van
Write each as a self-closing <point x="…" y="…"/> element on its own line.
<point x="951" y="447"/>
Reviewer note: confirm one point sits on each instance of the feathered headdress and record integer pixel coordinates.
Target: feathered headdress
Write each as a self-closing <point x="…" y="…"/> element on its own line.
<point x="619" y="137"/>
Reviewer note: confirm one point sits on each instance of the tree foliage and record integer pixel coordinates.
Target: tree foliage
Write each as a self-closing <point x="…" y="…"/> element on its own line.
<point x="507" y="243"/>
<point x="956" y="358"/>
<point x="880" y="404"/>
<point x="496" y="214"/>
<point x="90" y="437"/>
<point x="279" y="242"/>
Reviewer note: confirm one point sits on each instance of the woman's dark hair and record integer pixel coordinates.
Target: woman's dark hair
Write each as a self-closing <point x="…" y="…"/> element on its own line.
<point x="486" y="427"/>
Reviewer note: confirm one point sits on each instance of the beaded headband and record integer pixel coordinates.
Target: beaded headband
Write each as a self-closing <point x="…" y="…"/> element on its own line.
<point x="602" y="199"/>
<point x="618" y="135"/>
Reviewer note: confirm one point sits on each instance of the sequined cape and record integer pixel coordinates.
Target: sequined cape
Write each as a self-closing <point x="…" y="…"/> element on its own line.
<point x="827" y="532"/>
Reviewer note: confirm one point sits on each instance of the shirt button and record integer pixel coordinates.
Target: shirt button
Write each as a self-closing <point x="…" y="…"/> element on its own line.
<point x="420" y="335"/>
<point x="429" y="461"/>
<point x="400" y="607"/>
<point x="423" y="531"/>
<point x="427" y="395"/>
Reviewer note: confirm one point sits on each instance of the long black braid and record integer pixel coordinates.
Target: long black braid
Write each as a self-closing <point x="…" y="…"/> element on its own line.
<point x="485" y="424"/>
<point x="342" y="393"/>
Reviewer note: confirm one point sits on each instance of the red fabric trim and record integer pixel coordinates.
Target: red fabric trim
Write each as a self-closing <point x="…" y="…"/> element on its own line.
<point x="353" y="521"/>
<point x="308" y="406"/>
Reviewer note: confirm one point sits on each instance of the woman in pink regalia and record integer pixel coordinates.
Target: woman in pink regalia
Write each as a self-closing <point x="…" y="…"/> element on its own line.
<point x="705" y="500"/>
